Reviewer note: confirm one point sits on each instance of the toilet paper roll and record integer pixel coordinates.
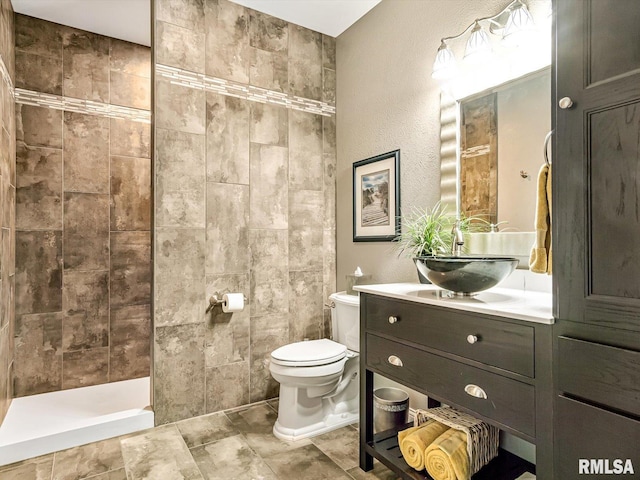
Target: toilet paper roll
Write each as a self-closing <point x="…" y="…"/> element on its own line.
<point x="232" y="302"/>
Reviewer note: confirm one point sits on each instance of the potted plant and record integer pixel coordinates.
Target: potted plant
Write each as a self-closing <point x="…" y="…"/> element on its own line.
<point x="428" y="232"/>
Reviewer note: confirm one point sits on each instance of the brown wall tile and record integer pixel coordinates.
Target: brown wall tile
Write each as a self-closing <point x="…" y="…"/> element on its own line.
<point x="305" y="151"/>
<point x="84" y="52"/>
<point x="305" y="62"/>
<point x="38" y="272"/>
<point x="227" y="334"/>
<point x="305" y="306"/>
<point x="227" y="42"/>
<point x="182" y="109"/>
<point x="180" y="47"/>
<point x="130" y="90"/>
<point x="185" y="13"/>
<point x="38" y="354"/>
<point x="267" y="334"/>
<point x="38" y="37"/>
<point x="269" y="167"/>
<point x="227" y="386"/>
<point x="227" y="139"/>
<point x="130" y="268"/>
<point x="130" y="330"/>
<point x="179" y="276"/>
<point x="227" y="232"/>
<point x="267" y="32"/>
<point x="269" y="124"/>
<point x="85" y="367"/>
<point x="269" y="70"/>
<point x="85" y="303"/>
<point x="306" y="210"/>
<point x="129" y="138"/>
<point x="130" y="58"/>
<point x="179" y="372"/>
<point x="39" y="188"/>
<point x="38" y="126"/>
<point x="86" y="231"/>
<point x="86" y="153"/>
<point x="130" y="193"/>
<point x="180" y="176"/>
<point x="39" y="73"/>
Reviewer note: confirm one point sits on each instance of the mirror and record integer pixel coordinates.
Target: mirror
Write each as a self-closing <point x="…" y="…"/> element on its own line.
<point x="500" y="140"/>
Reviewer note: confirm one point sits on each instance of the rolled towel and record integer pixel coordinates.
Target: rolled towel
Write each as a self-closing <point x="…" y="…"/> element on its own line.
<point x="415" y="440"/>
<point x="447" y="458"/>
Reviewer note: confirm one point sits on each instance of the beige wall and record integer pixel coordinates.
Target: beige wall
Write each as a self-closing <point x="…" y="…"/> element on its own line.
<point x="387" y="99"/>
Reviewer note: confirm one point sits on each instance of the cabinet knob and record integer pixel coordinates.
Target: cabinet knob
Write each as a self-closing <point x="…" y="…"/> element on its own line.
<point x="472" y="339"/>
<point x="475" y="391"/>
<point x="393" y="319"/>
<point x="565" y="103"/>
<point x="395" y="361"/>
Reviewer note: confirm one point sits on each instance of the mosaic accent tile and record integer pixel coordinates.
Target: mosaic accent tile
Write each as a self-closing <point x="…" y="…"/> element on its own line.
<point x="207" y="83"/>
<point x="69" y="104"/>
<point x="4" y="73"/>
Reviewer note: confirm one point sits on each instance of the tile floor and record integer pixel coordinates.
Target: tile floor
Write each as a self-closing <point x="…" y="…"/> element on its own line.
<point x="236" y="444"/>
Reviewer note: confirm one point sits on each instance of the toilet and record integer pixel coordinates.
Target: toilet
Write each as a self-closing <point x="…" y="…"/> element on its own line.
<point x="318" y="379"/>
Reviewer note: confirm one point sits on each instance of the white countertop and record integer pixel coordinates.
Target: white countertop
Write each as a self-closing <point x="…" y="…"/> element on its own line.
<point x="532" y="306"/>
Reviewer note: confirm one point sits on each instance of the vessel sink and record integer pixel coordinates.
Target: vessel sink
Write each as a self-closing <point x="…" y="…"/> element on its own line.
<point x="466" y="274"/>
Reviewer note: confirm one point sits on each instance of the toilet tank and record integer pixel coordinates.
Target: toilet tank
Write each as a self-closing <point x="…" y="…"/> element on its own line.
<point x="345" y="320"/>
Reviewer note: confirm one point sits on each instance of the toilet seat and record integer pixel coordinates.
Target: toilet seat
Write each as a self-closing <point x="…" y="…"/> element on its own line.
<point x="309" y="354"/>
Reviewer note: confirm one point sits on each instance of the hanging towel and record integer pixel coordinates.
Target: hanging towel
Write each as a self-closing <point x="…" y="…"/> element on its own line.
<point x="415" y="440"/>
<point x="540" y="260"/>
<point x="447" y="458"/>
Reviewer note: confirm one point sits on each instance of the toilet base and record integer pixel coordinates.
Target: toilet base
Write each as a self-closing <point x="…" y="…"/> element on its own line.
<point x="329" y="423"/>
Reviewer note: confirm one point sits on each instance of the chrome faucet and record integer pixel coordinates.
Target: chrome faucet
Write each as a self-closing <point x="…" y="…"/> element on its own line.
<point x="457" y="239"/>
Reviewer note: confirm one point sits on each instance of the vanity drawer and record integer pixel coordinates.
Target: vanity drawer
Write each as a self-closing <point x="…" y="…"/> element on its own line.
<point x="606" y="375"/>
<point x="508" y="402"/>
<point x="501" y="344"/>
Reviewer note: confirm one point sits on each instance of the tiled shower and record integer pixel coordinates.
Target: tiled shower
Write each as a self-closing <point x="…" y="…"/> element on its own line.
<point x="83" y="193"/>
<point x="243" y="200"/>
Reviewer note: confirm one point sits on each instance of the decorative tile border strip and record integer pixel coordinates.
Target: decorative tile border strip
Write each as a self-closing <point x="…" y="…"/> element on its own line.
<point x="4" y="73"/>
<point x="89" y="107"/>
<point x="199" y="81"/>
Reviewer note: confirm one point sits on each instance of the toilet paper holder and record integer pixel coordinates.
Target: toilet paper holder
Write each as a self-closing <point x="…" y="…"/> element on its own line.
<point x="216" y="299"/>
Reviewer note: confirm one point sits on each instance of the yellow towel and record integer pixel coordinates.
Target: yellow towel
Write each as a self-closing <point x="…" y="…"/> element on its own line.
<point x="415" y="440"/>
<point x="540" y="260"/>
<point x="447" y="458"/>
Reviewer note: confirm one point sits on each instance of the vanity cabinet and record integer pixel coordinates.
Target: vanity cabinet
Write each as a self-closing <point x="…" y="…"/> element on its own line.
<point x="497" y="369"/>
<point x="596" y="227"/>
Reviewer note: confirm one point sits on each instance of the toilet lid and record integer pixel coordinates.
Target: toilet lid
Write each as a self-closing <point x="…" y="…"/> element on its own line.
<point x="309" y="353"/>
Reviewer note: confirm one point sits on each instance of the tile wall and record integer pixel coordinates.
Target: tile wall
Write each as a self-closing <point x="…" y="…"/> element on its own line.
<point x="244" y="201"/>
<point x="83" y="205"/>
<point x="7" y="205"/>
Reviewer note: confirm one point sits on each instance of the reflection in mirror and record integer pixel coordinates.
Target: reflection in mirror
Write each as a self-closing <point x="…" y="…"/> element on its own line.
<point x="501" y="137"/>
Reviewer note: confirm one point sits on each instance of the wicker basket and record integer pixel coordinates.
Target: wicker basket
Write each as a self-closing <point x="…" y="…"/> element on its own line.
<point x="482" y="439"/>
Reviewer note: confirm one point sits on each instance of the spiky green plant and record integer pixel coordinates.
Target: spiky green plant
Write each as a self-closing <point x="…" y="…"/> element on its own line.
<point x="428" y="231"/>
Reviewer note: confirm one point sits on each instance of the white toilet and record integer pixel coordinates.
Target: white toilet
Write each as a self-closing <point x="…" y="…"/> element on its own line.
<point x="319" y="378"/>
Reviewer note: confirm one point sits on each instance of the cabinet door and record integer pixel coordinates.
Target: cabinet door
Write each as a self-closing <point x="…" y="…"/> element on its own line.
<point x="596" y="171"/>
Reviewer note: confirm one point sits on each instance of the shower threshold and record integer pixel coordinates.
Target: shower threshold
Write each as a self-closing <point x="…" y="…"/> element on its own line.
<point x="45" y="423"/>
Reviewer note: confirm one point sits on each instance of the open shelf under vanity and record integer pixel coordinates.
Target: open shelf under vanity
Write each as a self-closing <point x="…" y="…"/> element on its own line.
<point x="384" y="447"/>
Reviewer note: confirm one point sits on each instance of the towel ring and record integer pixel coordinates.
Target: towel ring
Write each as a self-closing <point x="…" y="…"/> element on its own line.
<point x="546" y="148"/>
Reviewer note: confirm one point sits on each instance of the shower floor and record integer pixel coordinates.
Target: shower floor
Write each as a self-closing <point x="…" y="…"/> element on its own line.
<point x="48" y="422"/>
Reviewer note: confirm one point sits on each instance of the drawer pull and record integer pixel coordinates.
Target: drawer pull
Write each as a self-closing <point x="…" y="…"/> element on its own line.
<point x="395" y="361"/>
<point x="475" y="391"/>
<point x="393" y="319"/>
<point x="472" y="339"/>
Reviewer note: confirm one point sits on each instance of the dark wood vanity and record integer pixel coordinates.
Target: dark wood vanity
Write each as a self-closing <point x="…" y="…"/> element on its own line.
<point x="495" y="368"/>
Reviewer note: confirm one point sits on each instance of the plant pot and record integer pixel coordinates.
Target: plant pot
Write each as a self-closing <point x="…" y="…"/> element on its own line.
<point x="422" y="278"/>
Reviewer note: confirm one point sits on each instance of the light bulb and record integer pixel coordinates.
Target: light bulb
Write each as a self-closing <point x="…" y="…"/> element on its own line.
<point x="478" y="46"/>
<point x="445" y="64"/>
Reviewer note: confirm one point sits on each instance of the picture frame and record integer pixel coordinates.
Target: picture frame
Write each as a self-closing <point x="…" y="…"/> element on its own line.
<point x="376" y="198"/>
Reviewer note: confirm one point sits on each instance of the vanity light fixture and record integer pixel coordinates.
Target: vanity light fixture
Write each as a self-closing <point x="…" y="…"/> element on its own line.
<point x="514" y="20"/>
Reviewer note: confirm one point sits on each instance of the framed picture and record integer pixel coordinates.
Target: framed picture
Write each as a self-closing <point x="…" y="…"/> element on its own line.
<point x="376" y="198"/>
